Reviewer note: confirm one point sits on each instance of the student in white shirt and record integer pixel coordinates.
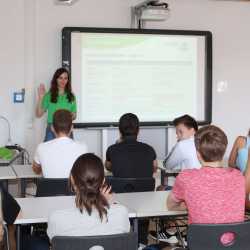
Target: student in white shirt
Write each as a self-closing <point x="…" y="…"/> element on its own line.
<point x="56" y="157"/>
<point x="183" y="154"/>
<point x="93" y="212"/>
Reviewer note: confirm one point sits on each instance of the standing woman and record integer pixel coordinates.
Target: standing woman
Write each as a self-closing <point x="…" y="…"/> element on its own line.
<point x="59" y="96"/>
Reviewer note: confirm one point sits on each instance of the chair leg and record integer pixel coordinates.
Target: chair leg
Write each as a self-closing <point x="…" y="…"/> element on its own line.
<point x="179" y="234"/>
<point x="157" y="230"/>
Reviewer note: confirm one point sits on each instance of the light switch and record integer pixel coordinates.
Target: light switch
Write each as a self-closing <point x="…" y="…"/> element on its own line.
<point x="19" y="96"/>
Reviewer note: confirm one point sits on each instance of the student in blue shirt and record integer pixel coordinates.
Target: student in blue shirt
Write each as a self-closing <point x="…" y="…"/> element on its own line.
<point x="239" y="153"/>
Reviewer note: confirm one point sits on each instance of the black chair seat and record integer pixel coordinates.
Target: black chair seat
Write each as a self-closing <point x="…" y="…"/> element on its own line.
<point x="128" y="185"/>
<point x="126" y="241"/>
<point x="52" y="187"/>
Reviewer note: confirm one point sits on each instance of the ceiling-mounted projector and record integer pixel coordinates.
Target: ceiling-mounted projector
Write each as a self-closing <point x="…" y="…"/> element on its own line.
<point x="154" y="13"/>
<point x="152" y="10"/>
<point x="65" y="2"/>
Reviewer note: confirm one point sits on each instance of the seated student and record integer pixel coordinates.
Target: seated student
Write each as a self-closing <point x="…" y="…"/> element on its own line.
<point x="9" y="211"/>
<point x="239" y="153"/>
<point x="247" y="178"/>
<point x="10" y="207"/>
<point x="56" y="157"/>
<point x="93" y="213"/>
<point x="213" y="193"/>
<point x="183" y="154"/>
<point x="130" y="158"/>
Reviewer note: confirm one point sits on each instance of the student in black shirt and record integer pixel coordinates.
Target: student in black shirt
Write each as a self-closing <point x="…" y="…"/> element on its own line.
<point x="130" y="158"/>
<point x="10" y="207"/>
<point x="9" y="212"/>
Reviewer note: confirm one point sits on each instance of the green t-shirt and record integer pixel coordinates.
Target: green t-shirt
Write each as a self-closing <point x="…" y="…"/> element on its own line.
<point x="62" y="103"/>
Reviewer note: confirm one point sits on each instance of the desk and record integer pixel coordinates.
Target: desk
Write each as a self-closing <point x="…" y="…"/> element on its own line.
<point x="37" y="210"/>
<point x="146" y="204"/>
<point x="24" y="172"/>
<point x="6" y="173"/>
<point x="143" y="204"/>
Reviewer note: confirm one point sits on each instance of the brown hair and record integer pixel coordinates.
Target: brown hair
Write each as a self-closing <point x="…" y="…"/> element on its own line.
<point x="88" y="175"/>
<point x="211" y="142"/>
<point x="187" y="120"/>
<point x="62" y="121"/>
<point x="54" y="87"/>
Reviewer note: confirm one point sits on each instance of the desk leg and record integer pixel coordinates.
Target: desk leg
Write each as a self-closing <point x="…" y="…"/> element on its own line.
<point x="23" y="187"/>
<point x="18" y="237"/>
<point x="135" y="227"/>
<point x="5" y="184"/>
<point x="163" y="173"/>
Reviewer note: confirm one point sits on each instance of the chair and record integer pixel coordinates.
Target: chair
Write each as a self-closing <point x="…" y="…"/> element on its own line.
<point x="52" y="187"/>
<point x="126" y="241"/>
<point x="128" y="185"/>
<point x="207" y="236"/>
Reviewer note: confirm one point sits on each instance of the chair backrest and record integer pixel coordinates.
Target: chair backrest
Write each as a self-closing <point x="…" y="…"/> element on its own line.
<point x="126" y="241"/>
<point x="52" y="187"/>
<point x="128" y="185"/>
<point x="209" y="236"/>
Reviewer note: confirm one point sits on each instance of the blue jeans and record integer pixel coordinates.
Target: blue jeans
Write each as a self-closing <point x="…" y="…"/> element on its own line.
<point x="49" y="135"/>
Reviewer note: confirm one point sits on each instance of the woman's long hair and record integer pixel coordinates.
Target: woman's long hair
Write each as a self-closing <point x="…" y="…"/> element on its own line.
<point x="54" y="87"/>
<point x="88" y="175"/>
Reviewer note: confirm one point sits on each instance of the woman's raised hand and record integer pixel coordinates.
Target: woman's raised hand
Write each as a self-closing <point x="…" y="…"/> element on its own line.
<point x="41" y="90"/>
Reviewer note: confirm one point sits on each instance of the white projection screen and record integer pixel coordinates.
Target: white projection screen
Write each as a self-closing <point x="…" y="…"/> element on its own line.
<point x="156" y="74"/>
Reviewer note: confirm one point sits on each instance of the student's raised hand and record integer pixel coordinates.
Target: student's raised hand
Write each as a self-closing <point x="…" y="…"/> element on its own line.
<point x="41" y="90"/>
<point x="106" y="192"/>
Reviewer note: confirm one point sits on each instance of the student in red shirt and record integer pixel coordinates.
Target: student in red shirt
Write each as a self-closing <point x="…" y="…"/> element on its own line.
<point x="212" y="194"/>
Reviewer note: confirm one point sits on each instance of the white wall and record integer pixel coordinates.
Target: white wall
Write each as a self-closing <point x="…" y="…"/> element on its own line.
<point x="11" y="66"/>
<point x="30" y="51"/>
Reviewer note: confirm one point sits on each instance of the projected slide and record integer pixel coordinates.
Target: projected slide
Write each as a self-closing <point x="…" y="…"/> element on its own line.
<point x="157" y="77"/>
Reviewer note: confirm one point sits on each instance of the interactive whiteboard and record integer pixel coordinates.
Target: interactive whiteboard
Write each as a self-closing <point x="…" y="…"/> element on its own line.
<point x="156" y="74"/>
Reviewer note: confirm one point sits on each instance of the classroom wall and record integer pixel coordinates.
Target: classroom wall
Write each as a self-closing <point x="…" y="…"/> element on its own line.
<point x="30" y="51"/>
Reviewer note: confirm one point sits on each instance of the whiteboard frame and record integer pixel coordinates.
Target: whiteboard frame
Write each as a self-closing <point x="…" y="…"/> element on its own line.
<point x="66" y="62"/>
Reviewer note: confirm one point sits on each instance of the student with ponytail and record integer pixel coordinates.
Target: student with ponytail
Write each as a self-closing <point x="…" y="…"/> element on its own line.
<point x="93" y="212"/>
